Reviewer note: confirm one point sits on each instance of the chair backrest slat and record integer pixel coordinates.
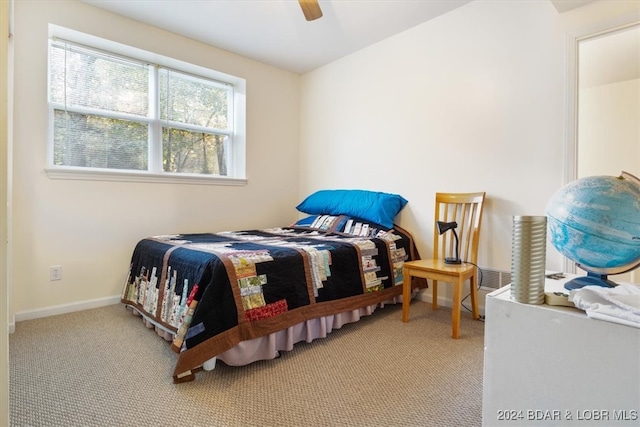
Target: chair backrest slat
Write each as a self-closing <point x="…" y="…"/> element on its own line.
<point x="465" y="209"/>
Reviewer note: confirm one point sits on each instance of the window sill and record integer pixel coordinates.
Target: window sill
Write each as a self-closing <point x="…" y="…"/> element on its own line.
<point x="97" y="175"/>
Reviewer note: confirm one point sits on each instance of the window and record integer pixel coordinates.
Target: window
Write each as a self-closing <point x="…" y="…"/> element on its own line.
<point x="123" y="115"/>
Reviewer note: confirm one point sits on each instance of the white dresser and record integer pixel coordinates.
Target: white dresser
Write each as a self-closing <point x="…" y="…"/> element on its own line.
<point x="552" y="365"/>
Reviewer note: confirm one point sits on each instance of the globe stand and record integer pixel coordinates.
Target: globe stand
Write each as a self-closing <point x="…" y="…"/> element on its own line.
<point x="591" y="279"/>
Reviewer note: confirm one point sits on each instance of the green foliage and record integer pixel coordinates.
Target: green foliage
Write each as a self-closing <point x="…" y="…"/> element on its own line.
<point x="99" y="97"/>
<point x="96" y="142"/>
<point x="193" y="152"/>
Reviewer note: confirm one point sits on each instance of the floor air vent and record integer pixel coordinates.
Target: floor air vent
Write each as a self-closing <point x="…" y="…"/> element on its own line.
<point x="495" y="279"/>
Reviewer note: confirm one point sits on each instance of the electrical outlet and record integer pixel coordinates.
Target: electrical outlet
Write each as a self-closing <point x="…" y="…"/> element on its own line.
<point x="55" y="272"/>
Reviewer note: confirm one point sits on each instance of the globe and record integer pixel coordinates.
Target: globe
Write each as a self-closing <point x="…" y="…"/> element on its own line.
<point x="595" y="222"/>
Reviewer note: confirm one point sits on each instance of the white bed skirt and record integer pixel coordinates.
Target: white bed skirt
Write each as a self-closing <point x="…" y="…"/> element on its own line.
<point x="269" y="346"/>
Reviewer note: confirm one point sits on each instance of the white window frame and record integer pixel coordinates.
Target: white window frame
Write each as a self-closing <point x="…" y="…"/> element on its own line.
<point x="236" y="150"/>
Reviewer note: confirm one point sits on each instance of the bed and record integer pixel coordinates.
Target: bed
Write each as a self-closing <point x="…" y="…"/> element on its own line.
<point x="243" y="296"/>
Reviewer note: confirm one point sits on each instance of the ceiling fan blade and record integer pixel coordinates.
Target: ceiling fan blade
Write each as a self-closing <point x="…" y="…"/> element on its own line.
<point x="311" y="9"/>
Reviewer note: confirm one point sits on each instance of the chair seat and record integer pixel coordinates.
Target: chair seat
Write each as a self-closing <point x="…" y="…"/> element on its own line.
<point x="439" y="266"/>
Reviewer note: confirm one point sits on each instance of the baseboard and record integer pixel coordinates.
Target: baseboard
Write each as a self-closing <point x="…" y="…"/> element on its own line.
<point x="424" y="295"/>
<point x="63" y="309"/>
<point x="444" y="298"/>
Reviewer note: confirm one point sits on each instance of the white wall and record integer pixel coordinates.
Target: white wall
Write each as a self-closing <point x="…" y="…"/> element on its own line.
<point x="91" y="227"/>
<point x="609" y="129"/>
<point x="473" y="100"/>
<point x="4" y="138"/>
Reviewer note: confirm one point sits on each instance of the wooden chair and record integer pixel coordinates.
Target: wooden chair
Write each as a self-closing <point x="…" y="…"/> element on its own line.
<point x="466" y="210"/>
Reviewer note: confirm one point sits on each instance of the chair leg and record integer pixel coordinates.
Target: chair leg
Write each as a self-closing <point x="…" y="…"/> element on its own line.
<point x="455" y="308"/>
<point x="406" y="293"/>
<point x="434" y="294"/>
<point x="474" y="297"/>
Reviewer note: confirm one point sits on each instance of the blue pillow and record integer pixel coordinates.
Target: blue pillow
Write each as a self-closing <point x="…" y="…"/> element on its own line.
<point x="373" y="206"/>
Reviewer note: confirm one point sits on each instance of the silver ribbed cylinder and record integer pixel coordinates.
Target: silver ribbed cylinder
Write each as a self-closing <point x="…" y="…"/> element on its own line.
<point x="528" y="256"/>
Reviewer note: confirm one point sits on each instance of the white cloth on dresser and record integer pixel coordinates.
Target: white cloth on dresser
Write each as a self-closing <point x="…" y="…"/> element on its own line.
<point x="620" y="304"/>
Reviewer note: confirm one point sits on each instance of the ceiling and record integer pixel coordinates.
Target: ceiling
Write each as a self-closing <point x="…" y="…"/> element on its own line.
<point x="275" y="31"/>
<point x="610" y="58"/>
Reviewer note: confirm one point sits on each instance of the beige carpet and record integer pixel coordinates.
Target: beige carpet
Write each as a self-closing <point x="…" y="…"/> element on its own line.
<point x="102" y="367"/>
